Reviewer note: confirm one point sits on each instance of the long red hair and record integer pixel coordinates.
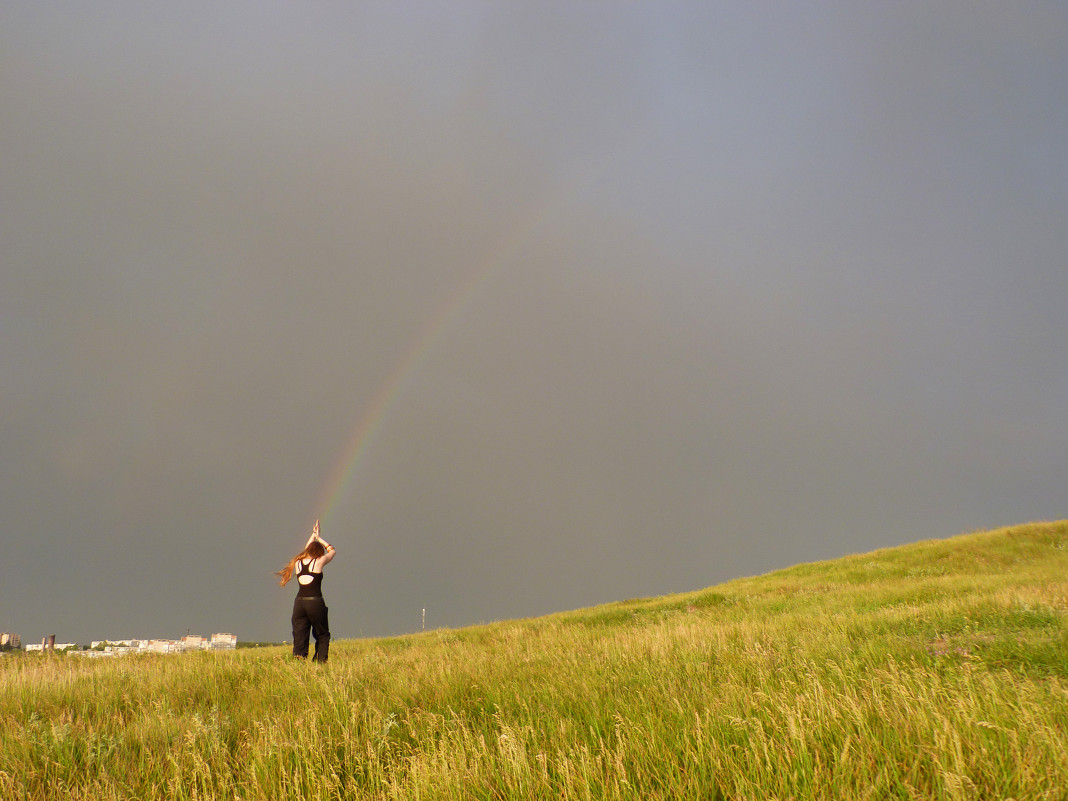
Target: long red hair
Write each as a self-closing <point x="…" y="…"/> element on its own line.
<point x="314" y="550"/>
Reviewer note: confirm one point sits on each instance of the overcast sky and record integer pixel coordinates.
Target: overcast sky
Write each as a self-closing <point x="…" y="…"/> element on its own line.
<point x="596" y="300"/>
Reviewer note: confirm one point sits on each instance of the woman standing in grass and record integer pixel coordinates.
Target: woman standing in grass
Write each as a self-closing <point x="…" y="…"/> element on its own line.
<point x="309" y="608"/>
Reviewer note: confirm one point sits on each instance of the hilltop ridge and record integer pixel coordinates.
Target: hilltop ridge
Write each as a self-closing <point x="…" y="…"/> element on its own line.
<point x="1036" y="551"/>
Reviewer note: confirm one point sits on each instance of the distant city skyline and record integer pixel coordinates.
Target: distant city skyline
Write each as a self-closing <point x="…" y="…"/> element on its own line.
<point x="194" y="642"/>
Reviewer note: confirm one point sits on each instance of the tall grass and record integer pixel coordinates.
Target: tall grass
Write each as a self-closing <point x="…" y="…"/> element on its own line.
<point x="937" y="670"/>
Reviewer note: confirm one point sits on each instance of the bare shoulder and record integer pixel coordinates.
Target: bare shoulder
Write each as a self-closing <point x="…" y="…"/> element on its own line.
<point x="325" y="558"/>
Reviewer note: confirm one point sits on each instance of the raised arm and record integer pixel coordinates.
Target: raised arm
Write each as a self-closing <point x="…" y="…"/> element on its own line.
<point x="329" y="555"/>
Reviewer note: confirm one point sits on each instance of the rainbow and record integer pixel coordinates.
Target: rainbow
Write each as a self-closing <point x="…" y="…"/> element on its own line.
<point x="507" y="249"/>
<point x="369" y="422"/>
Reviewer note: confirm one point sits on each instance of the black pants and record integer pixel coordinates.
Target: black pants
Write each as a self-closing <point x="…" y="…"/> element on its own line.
<point x="309" y="614"/>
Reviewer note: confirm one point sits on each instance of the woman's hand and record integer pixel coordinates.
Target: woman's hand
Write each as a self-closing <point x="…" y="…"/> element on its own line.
<point x="314" y="535"/>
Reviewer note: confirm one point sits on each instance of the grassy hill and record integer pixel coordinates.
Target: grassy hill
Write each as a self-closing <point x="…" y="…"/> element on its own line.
<point x="934" y="670"/>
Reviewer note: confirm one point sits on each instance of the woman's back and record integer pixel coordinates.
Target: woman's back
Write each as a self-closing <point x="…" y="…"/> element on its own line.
<point x="309" y="579"/>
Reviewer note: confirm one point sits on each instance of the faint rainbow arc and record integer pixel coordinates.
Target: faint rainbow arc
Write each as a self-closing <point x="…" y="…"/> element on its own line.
<point x="341" y="476"/>
<point x="521" y="232"/>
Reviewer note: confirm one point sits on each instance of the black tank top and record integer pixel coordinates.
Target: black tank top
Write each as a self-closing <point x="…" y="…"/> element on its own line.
<point x="314" y="588"/>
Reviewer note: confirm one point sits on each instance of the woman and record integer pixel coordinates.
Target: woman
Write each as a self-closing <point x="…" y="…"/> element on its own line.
<point x="309" y="608"/>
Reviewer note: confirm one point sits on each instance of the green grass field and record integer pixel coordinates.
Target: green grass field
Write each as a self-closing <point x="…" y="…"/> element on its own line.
<point x="934" y="670"/>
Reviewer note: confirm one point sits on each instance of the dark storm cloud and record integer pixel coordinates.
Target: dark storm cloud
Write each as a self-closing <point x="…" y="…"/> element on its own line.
<point x="759" y="286"/>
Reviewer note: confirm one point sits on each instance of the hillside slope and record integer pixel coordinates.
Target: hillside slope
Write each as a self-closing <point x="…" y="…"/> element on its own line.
<point x="934" y="670"/>
<point x="991" y="594"/>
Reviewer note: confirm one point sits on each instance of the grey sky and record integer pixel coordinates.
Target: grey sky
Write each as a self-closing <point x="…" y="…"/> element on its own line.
<point x="697" y="291"/>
